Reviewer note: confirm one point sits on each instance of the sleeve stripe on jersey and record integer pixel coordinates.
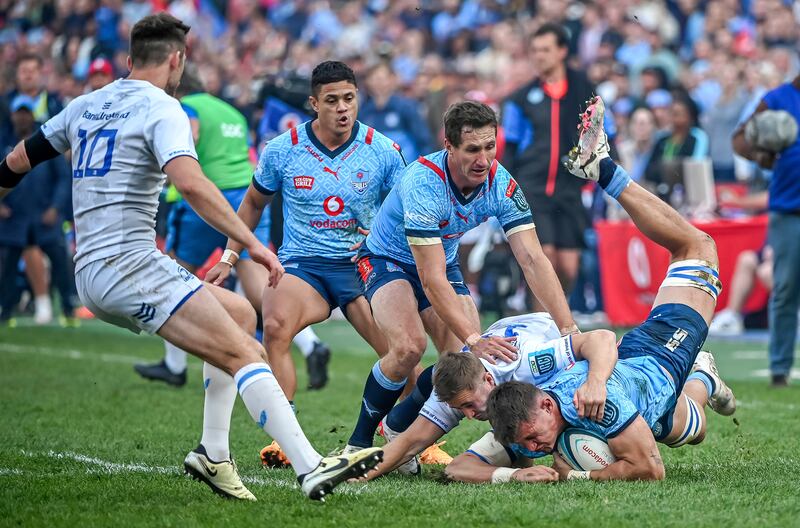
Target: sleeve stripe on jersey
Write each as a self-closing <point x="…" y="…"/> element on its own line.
<point x="520" y="224"/>
<point x="434" y="167"/>
<point x="368" y="138"/>
<point x="420" y="241"/>
<point x="623" y="426"/>
<point x="176" y="155"/>
<point x="481" y="457"/>
<point x="492" y="172"/>
<point x="295" y="139"/>
<point x="260" y="188"/>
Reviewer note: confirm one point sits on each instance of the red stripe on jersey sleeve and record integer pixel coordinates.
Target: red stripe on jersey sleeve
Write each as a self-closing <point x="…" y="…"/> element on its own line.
<point x="370" y="133"/>
<point x="434" y="167"/>
<point x="295" y="139"/>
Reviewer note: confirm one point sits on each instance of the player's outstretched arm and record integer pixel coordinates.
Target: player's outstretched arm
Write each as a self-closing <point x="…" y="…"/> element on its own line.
<point x="637" y="456"/>
<point x="432" y="266"/>
<point x="420" y="435"/>
<point x="488" y="461"/>
<point x="542" y="278"/>
<point x="599" y="348"/>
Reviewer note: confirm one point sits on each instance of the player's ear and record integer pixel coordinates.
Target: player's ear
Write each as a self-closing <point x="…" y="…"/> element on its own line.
<point x="130" y="63"/>
<point x="489" y="378"/>
<point x="312" y="101"/>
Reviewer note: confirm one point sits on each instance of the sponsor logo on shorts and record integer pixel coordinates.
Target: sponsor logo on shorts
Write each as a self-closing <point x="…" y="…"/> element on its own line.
<point x="333" y="205"/>
<point x="676" y="339"/>
<point x="304" y="182"/>
<point x="184" y="273"/>
<point x="365" y="268"/>
<point x="391" y="267"/>
<point x="360" y="180"/>
<point x="349" y="223"/>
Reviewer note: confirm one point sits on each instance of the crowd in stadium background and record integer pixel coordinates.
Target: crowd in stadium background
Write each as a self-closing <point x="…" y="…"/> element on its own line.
<point x="719" y="55"/>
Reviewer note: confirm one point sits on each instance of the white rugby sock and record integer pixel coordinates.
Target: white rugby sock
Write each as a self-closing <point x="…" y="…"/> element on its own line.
<point x="305" y="340"/>
<point x="219" y="400"/>
<point x="174" y="358"/>
<point x="268" y="406"/>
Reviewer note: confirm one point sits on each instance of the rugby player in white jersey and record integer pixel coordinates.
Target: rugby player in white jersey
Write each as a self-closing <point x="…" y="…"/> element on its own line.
<point x="124" y="137"/>
<point x="462" y="382"/>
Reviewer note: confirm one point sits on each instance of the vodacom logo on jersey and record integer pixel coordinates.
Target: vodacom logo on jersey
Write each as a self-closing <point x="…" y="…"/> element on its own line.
<point x="333" y="205"/>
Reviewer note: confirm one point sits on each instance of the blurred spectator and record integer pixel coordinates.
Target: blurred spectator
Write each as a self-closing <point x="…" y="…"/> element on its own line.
<point x="33" y="216"/>
<point x="751" y="266"/>
<point x="393" y="115"/>
<point x="660" y="102"/>
<point x="539" y="122"/>
<point x="31" y="84"/>
<point x="101" y="73"/>
<point x="636" y="149"/>
<point x="722" y="118"/>
<point x="684" y="140"/>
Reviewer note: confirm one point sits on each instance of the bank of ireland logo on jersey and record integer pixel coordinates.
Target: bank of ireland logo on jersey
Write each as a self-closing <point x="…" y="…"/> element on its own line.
<point x="359" y="180"/>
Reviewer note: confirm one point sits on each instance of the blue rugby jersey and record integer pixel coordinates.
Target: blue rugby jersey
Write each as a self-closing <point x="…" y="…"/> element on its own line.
<point x="327" y="195"/>
<point x="425" y="207"/>
<point x="637" y="386"/>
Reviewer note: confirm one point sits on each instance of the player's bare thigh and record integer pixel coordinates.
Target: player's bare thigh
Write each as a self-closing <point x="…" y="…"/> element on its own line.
<point x="205" y="327"/>
<point x="443" y="339"/>
<point x="291" y="306"/>
<point x="394" y="307"/>
<point x="253" y="279"/>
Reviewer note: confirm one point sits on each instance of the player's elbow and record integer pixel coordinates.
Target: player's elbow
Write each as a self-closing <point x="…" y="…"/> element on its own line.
<point x="653" y="469"/>
<point x="17" y="160"/>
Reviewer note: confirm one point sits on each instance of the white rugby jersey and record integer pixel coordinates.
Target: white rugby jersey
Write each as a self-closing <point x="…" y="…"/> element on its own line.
<point x="541" y="354"/>
<point x="121" y="137"/>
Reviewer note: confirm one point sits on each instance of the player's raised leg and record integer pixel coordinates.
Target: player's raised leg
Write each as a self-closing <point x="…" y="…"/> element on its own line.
<point x="394" y="307"/>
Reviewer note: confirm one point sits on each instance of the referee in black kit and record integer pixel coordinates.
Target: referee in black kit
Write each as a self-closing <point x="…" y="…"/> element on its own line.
<point x="539" y="123"/>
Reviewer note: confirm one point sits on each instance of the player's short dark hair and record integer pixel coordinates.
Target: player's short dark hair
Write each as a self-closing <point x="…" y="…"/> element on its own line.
<point x="28" y="57"/>
<point x="154" y="37"/>
<point x="191" y="82"/>
<point x="330" y="72"/>
<point x="456" y="373"/>
<point x="510" y="404"/>
<point x="467" y="114"/>
<point x="557" y="30"/>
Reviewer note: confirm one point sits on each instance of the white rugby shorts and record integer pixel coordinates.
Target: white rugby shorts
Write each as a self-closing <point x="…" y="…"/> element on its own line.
<point x="137" y="290"/>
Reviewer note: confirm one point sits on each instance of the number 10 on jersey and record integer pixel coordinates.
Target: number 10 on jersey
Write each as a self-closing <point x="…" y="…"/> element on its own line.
<point x="83" y="168"/>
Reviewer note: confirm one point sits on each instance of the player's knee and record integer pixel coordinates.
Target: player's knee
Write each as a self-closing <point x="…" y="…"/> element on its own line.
<point x="409" y="350"/>
<point x="277" y="328"/>
<point x="704" y="247"/>
<point x="747" y="260"/>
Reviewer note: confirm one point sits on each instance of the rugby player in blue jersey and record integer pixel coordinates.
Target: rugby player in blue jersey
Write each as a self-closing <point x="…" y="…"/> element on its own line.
<point x="332" y="173"/>
<point x="409" y="263"/>
<point x="657" y="360"/>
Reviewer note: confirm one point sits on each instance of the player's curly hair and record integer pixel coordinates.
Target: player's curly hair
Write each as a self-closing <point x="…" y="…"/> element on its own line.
<point x="467" y="115"/>
<point x="456" y="373"/>
<point x="154" y="37"/>
<point x="330" y="72"/>
<point x="509" y="405"/>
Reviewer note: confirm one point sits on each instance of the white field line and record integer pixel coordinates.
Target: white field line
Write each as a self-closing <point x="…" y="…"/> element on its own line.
<point x="765" y="373"/>
<point x="96" y="465"/>
<point x="66" y="353"/>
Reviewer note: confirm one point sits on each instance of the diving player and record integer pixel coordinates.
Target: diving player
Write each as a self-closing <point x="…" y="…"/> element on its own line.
<point x="644" y="402"/>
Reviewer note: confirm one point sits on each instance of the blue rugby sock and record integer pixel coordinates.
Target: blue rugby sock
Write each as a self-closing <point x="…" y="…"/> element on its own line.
<point x="706" y="379"/>
<point x="380" y="394"/>
<point x="613" y="178"/>
<point x="404" y="413"/>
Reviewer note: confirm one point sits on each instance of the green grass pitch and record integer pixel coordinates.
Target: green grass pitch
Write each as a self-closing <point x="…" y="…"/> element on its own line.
<point x="85" y="442"/>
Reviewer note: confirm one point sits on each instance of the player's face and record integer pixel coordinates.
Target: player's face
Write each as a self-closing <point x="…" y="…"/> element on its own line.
<point x="336" y="107"/>
<point x="539" y="432"/>
<point x="473" y="158"/>
<point x="473" y="403"/>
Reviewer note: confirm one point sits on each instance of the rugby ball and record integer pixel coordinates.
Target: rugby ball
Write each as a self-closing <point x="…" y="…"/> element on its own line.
<point x="772" y="130"/>
<point x="584" y="450"/>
